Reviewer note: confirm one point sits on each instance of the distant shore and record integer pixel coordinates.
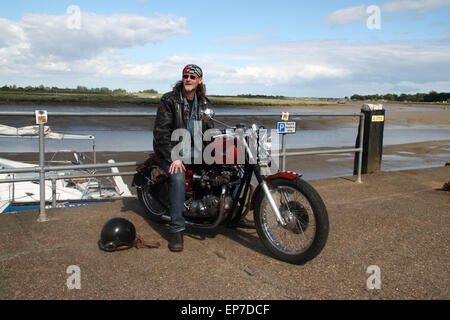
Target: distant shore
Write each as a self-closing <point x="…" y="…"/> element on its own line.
<point x="135" y="99"/>
<point x="217" y="103"/>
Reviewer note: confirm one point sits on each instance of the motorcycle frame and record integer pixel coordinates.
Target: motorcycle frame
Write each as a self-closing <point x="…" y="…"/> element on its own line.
<point x="238" y="201"/>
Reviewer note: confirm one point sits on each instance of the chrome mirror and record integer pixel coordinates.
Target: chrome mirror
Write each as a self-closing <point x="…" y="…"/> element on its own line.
<point x="208" y="114"/>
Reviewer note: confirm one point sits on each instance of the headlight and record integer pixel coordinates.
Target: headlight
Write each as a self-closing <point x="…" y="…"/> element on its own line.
<point x="265" y="145"/>
<point x="265" y="140"/>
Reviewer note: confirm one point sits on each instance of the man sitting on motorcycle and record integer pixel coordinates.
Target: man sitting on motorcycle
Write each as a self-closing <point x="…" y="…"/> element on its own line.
<point x="179" y="109"/>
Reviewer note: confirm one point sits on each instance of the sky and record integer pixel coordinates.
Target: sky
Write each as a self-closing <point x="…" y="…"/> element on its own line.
<point x="286" y="47"/>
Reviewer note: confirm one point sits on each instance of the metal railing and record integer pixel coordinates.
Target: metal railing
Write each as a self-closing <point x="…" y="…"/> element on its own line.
<point x="42" y="169"/>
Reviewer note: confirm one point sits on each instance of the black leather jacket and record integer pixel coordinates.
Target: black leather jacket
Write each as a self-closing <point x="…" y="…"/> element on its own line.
<point x="169" y="117"/>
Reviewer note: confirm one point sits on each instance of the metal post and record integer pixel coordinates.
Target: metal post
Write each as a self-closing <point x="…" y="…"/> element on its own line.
<point x="42" y="214"/>
<point x="54" y="193"/>
<point x="283" y="146"/>
<point x="360" y="146"/>
<point x="93" y="150"/>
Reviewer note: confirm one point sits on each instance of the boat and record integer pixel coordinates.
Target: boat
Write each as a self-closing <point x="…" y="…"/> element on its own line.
<point x="65" y="189"/>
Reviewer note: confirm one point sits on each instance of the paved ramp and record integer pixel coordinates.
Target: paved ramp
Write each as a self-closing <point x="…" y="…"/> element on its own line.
<point x="398" y="221"/>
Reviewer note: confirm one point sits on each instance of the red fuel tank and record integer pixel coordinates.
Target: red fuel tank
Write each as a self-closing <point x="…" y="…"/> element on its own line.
<point x="226" y="151"/>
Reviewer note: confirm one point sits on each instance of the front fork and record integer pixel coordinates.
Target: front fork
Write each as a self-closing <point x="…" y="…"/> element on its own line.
<point x="265" y="187"/>
<point x="263" y="183"/>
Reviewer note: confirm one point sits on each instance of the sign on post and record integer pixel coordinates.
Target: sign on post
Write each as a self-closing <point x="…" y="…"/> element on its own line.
<point x="377" y="118"/>
<point x="286" y="127"/>
<point x="41" y="116"/>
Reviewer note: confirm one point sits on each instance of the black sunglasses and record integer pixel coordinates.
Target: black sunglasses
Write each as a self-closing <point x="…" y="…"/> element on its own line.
<point x="185" y="76"/>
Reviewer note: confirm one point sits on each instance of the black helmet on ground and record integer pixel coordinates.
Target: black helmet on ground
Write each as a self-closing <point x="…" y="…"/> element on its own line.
<point x="117" y="233"/>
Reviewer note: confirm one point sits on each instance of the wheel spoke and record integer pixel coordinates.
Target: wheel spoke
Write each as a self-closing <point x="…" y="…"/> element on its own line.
<point x="300" y="232"/>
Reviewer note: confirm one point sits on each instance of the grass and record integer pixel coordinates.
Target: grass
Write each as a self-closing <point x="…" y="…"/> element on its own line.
<point x="100" y="99"/>
<point x="41" y="97"/>
<point x="245" y="101"/>
<point x="14" y="97"/>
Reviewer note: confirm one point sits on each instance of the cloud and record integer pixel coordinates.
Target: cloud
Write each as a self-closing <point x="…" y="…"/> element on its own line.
<point x="419" y="5"/>
<point x="12" y="33"/>
<point x="296" y="68"/>
<point x="359" y="13"/>
<point x="44" y="46"/>
<point x="41" y="35"/>
<point x="330" y="66"/>
<point x="348" y="15"/>
<point x="50" y="34"/>
<point x="281" y="73"/>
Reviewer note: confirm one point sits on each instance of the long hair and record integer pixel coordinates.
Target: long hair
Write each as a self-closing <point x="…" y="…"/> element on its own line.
<point x="201" y="90"/>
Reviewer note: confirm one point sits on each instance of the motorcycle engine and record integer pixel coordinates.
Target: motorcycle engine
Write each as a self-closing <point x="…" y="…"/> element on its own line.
<point x="204" y="202"/>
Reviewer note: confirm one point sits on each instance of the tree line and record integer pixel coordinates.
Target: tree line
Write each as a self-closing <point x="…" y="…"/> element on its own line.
<point x="78" y="89"/>
<point x="432" y="96"/>
<point x="260" y="96"/>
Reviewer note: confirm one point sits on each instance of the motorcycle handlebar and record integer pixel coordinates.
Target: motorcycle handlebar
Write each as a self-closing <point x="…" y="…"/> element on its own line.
<point x="224" y="133"/>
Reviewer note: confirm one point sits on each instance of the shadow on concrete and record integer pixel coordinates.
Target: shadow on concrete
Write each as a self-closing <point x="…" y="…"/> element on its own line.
<point x="245" y="237"/>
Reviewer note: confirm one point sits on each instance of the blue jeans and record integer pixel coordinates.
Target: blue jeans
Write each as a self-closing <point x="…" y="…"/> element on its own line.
<point x="177" y="192"/>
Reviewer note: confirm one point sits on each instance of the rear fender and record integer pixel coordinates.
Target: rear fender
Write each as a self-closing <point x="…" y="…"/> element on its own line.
<point x="142" y="175"/>
<point x="288" y="175"/>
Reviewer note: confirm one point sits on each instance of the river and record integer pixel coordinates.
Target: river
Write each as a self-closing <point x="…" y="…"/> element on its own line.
<point x="135" y="134"/>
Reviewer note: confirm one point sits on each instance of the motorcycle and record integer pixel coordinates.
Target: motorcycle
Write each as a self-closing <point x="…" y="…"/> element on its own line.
<point x="290" y="216"/>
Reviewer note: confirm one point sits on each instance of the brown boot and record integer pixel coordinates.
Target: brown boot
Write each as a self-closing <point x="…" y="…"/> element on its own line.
<point x="176" y="241"/>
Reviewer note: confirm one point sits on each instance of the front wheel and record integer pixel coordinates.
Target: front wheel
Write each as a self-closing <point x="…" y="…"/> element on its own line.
<point x="306" y="231"/>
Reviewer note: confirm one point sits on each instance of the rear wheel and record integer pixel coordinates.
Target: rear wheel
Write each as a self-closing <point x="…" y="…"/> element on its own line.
<point x="153" y="207"/>
<point x="306" y="231"/>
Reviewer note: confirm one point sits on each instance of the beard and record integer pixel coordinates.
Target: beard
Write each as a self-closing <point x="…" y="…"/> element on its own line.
<point x="189" y="88"/>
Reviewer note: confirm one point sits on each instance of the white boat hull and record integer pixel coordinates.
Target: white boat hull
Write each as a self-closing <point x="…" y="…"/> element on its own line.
<point x="19" y="194"/>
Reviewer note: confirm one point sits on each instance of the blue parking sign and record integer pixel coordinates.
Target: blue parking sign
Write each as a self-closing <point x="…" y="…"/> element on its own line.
<point x="281" y="128"/>
<point x="286" y="127"/>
